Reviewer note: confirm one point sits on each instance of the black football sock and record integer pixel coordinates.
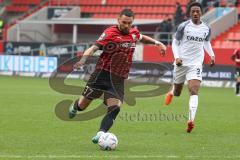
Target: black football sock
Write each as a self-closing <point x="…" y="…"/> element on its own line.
<point x="237" y="87"/>
<point x="76" y="107"/>
<point x="109" y="118"/>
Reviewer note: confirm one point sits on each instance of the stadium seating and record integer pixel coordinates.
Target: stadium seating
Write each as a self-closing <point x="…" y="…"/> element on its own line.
<point x="13" y="8"/>
<point x="26" y="2"/>
<point x="76" y="2"/>
<point x="229" y="39"/>
<point x="144" y="9"/>
<point x="20" y="6"/>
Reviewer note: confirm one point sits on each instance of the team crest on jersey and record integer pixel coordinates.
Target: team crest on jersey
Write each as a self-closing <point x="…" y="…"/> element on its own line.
<point x="103" y="35"/>
<point x="134" y="37"/>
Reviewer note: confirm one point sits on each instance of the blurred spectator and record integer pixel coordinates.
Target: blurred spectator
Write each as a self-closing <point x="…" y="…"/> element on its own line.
<point x="213" y="3"/>
<point x="236" y="3"/>
<point x="204" y="4"/>
<point x="169" y="29"/>
<point x="179" y="15"/>
<point x="165" y="29"/>
<point x="170" y="25"/>
<point x="216" y="3"/>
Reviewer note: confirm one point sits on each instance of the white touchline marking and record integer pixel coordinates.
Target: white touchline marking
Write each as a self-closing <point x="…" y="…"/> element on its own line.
<point x="115" y="156"/>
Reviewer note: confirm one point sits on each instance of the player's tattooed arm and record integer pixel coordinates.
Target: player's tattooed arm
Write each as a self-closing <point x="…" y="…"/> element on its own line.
<point x="148" y="40"/>
<point x="89" y="52"/>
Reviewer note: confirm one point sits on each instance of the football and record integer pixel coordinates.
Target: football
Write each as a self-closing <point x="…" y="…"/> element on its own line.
<point x="108" y="141"/>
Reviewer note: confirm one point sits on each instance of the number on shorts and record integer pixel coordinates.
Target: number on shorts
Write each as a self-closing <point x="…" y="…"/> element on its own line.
<point x="87" y="91"/>
<point x="198" y="71"/>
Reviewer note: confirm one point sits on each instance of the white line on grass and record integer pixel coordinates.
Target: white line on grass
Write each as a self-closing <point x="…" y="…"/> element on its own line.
<point x="115" y="157"/>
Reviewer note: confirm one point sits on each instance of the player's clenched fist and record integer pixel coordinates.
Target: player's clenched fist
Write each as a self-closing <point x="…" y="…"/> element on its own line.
<point x="178" y="62"/>
<point x="162" y="47"/>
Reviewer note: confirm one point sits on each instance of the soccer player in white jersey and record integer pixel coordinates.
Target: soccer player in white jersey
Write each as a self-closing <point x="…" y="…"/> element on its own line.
<point x="191" y="38"/>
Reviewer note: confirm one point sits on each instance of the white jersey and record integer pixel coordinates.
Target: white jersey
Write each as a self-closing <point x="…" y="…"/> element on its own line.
<point x="191" y="38"/>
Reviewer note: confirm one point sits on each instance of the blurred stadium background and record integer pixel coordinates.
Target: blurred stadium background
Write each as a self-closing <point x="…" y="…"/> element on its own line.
<point x="61" y="29"/>
<point x="36" y="36"/>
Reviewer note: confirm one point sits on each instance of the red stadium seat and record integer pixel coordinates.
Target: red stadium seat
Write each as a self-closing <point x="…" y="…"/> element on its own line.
<point x="25" y="2"/>
<point x="12" y="8"/>
<point x="229" y="39"/>
<point x="145" y="8"/>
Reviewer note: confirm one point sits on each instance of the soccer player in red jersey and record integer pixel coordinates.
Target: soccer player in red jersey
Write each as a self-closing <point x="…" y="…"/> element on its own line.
<point x="118" y="44"/>
<point x="236" y="58"/>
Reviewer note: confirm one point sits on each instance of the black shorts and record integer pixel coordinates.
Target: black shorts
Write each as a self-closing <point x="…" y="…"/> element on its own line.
<point x="237" y="73"/>
<point x="103" y="82"/>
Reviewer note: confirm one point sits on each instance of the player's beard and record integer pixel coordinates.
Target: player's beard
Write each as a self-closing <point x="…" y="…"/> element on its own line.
<point x="124" y="30"/>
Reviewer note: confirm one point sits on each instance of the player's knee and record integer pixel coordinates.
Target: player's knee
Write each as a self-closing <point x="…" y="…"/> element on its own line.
<point x="114" y="108"/>
<point x="193" y="90"/>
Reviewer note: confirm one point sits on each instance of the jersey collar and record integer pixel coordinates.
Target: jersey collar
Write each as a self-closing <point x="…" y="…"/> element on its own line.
<point x="196" y="24"/>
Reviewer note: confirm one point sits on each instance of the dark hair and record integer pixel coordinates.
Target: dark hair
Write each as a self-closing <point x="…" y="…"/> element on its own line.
<point x="127" y="12"/>
<point x="193" y="4"/>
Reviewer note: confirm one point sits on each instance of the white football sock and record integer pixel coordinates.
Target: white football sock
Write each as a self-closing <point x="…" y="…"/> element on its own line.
<point x="193" y="104"/>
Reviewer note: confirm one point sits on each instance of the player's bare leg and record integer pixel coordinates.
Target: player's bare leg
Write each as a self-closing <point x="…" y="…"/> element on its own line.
<point x="193" y="87"/>
<point x="79" y="105"/>
<point x="174" y="91"/>
<point x="107" y="121"/>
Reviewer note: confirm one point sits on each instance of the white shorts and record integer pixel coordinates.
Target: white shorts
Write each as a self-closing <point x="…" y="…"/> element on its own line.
<point x="182" y="73"/>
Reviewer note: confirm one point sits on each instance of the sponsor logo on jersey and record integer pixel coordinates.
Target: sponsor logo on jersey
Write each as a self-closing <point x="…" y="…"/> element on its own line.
<point x="134" y="37"/>
<point x="197" y="39"/>
<point x="125" y="45"/>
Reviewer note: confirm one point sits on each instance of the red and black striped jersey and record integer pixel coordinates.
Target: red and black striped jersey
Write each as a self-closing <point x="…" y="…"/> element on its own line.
<point x="118" y="49"/>
<point x="236" y="55"/>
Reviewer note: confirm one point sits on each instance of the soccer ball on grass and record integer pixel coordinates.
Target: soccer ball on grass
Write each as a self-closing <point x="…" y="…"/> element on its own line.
<point x="108" y="141"/>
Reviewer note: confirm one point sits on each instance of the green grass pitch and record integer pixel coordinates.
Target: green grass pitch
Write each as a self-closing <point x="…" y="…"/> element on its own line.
<point x="29" y="128"/>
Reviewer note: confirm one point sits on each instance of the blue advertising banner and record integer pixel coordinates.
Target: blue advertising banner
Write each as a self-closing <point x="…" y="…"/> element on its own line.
<point x="37" y="64"/>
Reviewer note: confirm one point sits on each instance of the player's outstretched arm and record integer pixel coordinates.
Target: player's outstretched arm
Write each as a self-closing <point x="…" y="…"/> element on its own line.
<point x="148" y="40"/>
<point x="208" y="48"/>
<point x="233" y="57"/>
<point x="237" y="60"/>
<point x="175" y="48"/>
<point x="90" y="51"/>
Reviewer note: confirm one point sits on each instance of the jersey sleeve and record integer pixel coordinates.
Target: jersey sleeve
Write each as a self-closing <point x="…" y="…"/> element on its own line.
<point x="180" y="31"/>
<point x="209" y="35"/>
<point x="103" y="39"/>
<point x="137" y="35"/>
<point x="140" y="37"/>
